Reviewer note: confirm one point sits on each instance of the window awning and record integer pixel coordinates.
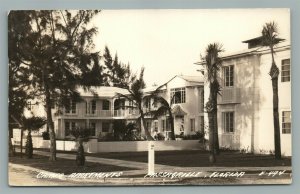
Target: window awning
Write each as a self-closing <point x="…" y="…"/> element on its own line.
<point x="177" y="111"/>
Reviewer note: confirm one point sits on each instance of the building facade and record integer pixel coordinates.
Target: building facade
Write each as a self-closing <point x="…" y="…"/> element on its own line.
<point x="99" y="111"/>
<point x="245" y="106"/>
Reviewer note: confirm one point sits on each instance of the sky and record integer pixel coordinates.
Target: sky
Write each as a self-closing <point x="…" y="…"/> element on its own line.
<point x="169" y="42"/>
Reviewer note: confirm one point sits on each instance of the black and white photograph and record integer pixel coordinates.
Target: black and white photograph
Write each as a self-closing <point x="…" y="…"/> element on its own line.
<point x="149" y="97"/>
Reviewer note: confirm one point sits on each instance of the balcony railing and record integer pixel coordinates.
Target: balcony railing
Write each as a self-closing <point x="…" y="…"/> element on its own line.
<point x="100" y="113"/>
<point x="230" y="95"/>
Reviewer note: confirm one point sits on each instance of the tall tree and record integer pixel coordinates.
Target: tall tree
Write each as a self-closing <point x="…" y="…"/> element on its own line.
<point x="18" y="30"/>
<point x="270" y="39"/>
<point x="58" y="54"/>
<point x="116" y="71"/>
<point x="135" y="86"/>
<point x="213" y="63"/>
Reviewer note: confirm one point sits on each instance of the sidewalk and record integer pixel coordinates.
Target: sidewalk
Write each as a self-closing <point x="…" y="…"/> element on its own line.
<point x="206" y="175"/>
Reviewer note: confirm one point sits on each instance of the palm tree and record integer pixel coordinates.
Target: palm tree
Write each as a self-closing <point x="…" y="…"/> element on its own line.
<point x="81" y="135"/>
<point x="135" y="86"/>
<point x="270" y="39"/>
<point x="212" y="64"/>
<point x="33" y="123"/>
<point x="163" y="108"/>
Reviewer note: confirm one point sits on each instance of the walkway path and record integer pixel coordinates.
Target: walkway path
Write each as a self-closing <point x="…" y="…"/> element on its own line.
<point x="135" y="177"/>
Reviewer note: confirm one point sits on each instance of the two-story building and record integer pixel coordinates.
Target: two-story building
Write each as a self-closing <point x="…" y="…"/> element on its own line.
<point x="245" y="106"/>
<point x="100" y="106"/>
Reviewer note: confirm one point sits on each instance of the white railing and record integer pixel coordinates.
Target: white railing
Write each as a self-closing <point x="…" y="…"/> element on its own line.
<point x="125" y="113"/>
<point x="77" y="113"/>
<point x="230" y="95"/>
<point x="101" y="113"/>
<point x="119" y="113"/>
<point x="105" y="113"/>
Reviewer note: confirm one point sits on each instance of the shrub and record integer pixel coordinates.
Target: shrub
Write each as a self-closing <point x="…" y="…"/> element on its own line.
<point x="197" y="136"/>
<point x="29" y="146"/>
<point x="46" y="135"/>
<point x="179" y="135"/>
<point x="160" y="136"/>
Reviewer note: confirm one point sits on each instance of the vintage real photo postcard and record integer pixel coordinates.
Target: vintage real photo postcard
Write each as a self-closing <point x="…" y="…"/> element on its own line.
<point x="149" y="97"/>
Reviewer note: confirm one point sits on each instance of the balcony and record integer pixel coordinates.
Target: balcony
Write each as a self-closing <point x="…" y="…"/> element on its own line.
<point x="230" y="96"/>
<point x="99" y="113"/>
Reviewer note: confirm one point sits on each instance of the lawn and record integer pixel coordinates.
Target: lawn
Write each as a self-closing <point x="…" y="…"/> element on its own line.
<point x="197" y="158"/>
<point x="65" y="166"/>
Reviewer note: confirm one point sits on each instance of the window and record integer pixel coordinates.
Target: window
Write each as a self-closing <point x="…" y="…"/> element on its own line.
<point x="228" y="75"/>
<point x="168" y="124"/>
<point x="228" y="122"/>
<point x="155" y="104"/>
<point x="285" y="70"/>
<point x="93" y="129"/>
<point x="163" y="125"/>
<point x="192" y="122"/>
<point x="105" y="105"/>
<point x="202" y="124"/>
<point x="130" y="107"/>
<point x="93" y="106"/>
<point x="155" y="125"/>
<point x="71" y="107"/>
<point x="148" y="125"/>
<point x="177" y="95"/>
<point x="286" y="121"/>
<point x="201" y="99"/>
<point x="105" y="127"/>
<point x="68" y="127"/>
<point x="147" y="103"/>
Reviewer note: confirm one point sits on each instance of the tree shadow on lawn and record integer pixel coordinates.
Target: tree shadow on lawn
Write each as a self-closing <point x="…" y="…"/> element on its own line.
<point x="65" y="166"/>
<point x="198" y="158"/>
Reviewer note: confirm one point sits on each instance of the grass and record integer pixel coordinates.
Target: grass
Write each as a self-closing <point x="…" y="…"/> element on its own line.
<point x="196" y="158"/>
<point x="65" y="166"/>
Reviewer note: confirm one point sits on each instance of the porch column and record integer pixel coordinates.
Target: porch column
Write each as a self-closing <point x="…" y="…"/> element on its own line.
<point x="87" y="123"/>
<point x="86" y="106"/>
<point x="112" y="107"/>
<point x="62" y="129"/>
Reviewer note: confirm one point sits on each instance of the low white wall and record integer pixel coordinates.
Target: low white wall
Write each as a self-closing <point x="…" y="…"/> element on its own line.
<point x="131" y="146"/>
<point x="93" y="146"/>
<point x="90" y="147"/>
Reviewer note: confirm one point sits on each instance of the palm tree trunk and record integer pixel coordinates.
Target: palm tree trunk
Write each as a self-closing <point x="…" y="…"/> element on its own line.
<point x="276" y="119"/>
<point x="143" y="128"/>
<point x="216" y="136"/>
<point x="214" y="92"/>
<point x="274" y="73"/>
<point x="212" y="157"/>
<point x="171" y="119"/>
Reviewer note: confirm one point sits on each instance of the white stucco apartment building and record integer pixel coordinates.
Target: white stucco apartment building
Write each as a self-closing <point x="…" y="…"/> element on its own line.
<point x="99" y="112"/>
<point x="245" y="108"/>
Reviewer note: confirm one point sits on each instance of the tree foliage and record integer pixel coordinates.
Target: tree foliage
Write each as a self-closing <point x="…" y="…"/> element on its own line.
<point x="117" y="72"/>
<point x="135" y="86"/>
<point x="54" y="53"/>
<point x="163" y="107"/>
<point x="213" y="64"/>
